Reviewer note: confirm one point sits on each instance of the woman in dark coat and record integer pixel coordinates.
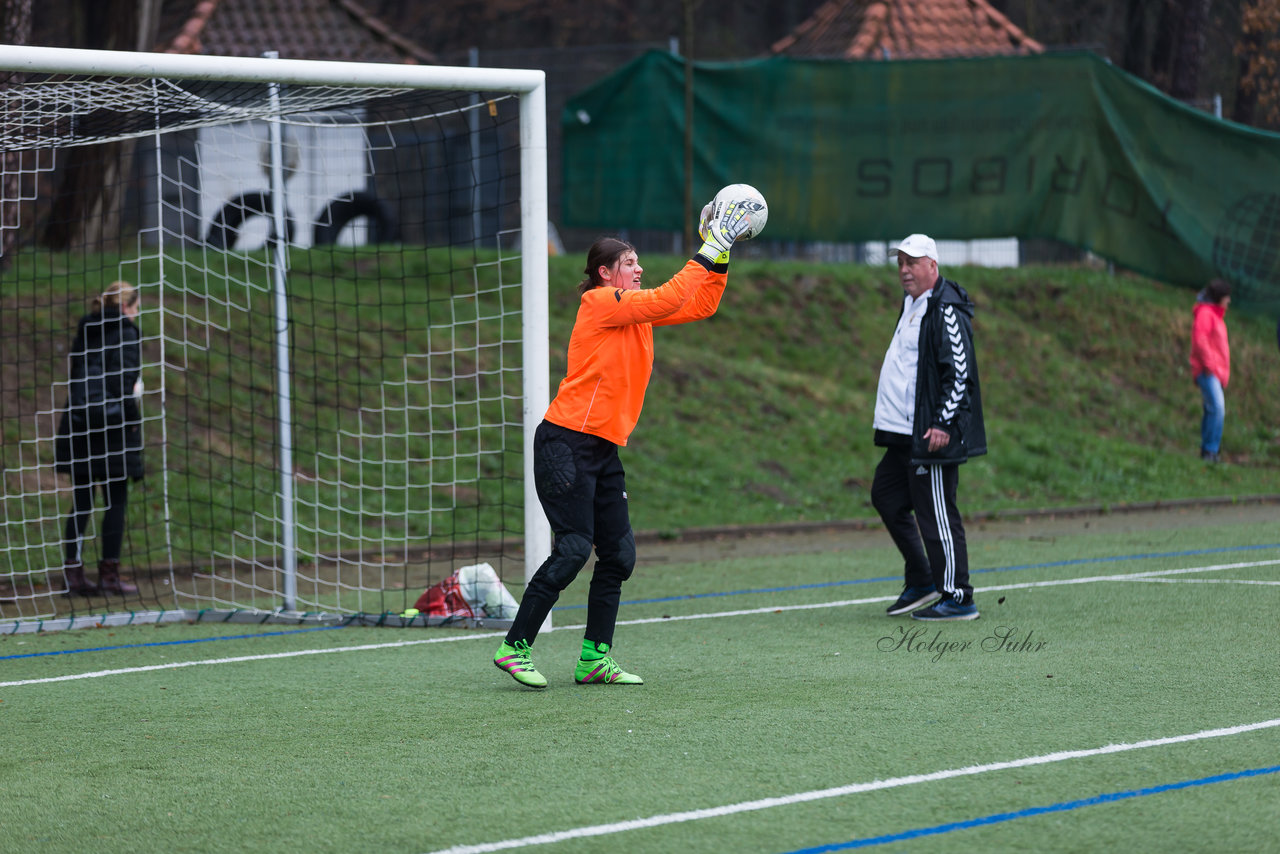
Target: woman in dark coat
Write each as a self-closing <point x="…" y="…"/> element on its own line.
<point x="99" y="439"/>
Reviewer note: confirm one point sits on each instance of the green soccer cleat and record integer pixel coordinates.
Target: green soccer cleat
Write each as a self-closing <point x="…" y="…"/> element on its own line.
<point x="516" y="659"/>
<point x="603" y="671"/>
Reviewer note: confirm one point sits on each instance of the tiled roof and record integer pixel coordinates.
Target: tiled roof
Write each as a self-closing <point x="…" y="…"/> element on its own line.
<point x="298" y="29"/>
<point x="905" y="29"/>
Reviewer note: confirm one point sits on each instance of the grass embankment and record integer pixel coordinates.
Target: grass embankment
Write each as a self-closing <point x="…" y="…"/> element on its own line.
<point x="763" y="413"/>
<point x="760" y="415"/>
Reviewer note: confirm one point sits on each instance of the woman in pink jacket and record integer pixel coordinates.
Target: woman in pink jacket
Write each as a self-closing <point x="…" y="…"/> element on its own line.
<point x="1211" y="362"/>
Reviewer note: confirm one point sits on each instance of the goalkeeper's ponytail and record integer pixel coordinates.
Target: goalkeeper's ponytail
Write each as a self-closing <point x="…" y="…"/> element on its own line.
<point x="605" y="252"/>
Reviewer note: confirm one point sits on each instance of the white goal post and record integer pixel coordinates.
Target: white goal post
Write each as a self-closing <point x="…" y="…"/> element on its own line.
<point x="340" y="251"/>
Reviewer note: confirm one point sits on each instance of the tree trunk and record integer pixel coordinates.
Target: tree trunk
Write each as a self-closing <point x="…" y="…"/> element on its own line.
<point x="16" y="31"/>
<point x="85" y="215"/>
<point x="91" y="179"/>
<point x="1133" y="57"/>
<point x="1246" y="100"/>
<point x="148" y="25"/>
<point x="690" y="227"/>
<point x="1189" y="56"/>
<point x="1257" y="86"/>
<point x="1165" y="45"/>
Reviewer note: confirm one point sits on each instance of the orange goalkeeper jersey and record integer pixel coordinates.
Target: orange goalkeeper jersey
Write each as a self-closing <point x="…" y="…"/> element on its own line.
<point x="611" y="349"/>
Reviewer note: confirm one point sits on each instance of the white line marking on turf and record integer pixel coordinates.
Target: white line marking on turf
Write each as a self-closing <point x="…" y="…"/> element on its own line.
<point x="840" y="791"/>
<point x="240" y="658"/>
<point x="772" y="609"/>
<point x="1133" y="576"/>
<point x="1026" y="585"/>
<point x="1208" y="581"/>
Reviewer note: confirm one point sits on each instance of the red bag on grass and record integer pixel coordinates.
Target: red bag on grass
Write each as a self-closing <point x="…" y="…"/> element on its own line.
<point x="472" y="591"/>
<point x="444" y="599"/>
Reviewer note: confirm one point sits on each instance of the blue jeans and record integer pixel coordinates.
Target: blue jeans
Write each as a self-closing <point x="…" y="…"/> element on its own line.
<point x="1214" y="411"/>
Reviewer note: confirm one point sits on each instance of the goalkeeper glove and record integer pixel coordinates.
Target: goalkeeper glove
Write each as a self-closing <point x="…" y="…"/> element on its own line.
<point x="722" y="222"/>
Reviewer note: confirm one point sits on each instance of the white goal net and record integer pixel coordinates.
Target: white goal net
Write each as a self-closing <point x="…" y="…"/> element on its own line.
<point x="275" y="335"/>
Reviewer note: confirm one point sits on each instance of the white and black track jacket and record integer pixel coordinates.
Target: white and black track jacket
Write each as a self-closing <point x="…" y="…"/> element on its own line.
<point x="947" y="393"/>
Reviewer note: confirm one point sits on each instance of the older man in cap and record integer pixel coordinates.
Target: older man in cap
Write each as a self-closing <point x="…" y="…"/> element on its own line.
<point x="928" y="419"/>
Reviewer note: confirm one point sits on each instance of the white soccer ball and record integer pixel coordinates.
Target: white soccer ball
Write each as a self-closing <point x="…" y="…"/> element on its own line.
<point x="757" y="207"/>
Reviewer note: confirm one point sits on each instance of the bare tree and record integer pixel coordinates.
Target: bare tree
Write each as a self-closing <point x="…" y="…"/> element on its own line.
<point x="1187" y="48"/>
<point x="1178" y="55"/>
<point x="17" y="31"/>
<point x="724" y="31"/>
<point x="690" y="228"/>
<point x="1258" y="99"/>
<point x="1185" y="82"/>
<point x="148" y="24"/>
<point x="1134" y="54"/>
<point x="86" y="210"/>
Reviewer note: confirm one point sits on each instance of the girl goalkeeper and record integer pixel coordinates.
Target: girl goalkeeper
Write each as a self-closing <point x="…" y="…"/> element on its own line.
<point x="577" y="472"/>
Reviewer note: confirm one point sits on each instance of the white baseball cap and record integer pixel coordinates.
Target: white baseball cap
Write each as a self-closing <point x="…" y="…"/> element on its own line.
<point x="919" y="246"/>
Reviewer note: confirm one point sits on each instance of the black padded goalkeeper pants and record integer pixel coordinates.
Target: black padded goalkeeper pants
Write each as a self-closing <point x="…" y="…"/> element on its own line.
<point x="583" y="491"/>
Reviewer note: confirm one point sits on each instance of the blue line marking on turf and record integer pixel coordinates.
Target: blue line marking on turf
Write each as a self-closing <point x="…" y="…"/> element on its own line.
<point x="1066" y="806"/>
<point x="169" y="643"/>
<point x="898" y="578"/>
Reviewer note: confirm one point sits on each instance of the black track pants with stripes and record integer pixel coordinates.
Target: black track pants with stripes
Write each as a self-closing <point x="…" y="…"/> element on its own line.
<point x="918" y="505"/>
